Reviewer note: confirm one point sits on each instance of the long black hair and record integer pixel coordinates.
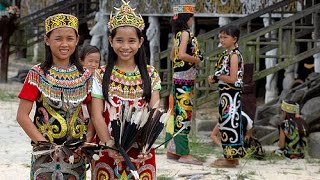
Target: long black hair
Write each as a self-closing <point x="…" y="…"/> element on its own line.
<point x="74" y="58"/>
<point x="140" y="60"/>
<point x="179" y="22"/>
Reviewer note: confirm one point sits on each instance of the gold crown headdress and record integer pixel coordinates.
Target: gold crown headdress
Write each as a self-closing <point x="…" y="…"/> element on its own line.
<point x="290" y="108"/>
<point x="186" y="8"/>
<point x="125" y="16"/>
<point x="61" y="20"/>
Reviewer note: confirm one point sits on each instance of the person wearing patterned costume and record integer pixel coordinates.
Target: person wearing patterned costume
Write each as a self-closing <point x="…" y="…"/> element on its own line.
<point x="126" y="79"/>
<point x="229" y="74"/>
<point x="58" y="86"/>
<point x="185" y="55"/>
<point x="293" y="131"/>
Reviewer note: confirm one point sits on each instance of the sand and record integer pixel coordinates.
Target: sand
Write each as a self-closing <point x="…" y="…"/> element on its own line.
<point x="16" y="152"/>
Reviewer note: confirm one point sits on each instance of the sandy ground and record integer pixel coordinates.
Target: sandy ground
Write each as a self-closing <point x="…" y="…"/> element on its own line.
<point x="15" y="157"/>
<point x="16" y="151"/>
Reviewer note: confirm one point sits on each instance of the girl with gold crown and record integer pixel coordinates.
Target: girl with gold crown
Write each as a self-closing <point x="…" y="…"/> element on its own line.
<point x="293" y="131"/>
<point x="125" y="80"/>
<point x="59" y="86"/>
<point x="185" y="55"/>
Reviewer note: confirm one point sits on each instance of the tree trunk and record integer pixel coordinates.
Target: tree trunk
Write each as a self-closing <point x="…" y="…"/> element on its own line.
<point x="6" y="32"/>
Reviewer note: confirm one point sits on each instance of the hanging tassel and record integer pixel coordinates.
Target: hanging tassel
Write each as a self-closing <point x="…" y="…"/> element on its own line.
<point x="71" y="159"/>
<point x="100" y="153"/>
<point x="95" y="157"/>
<point x="57" y="175"/>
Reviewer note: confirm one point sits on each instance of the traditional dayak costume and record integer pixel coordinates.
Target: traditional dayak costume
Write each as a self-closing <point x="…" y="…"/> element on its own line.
<point x="58" y="93"/>
<point x="182" y="91"/>
<point x="124" y="88"/>
<point x="230" y="118"/>
<point x="295" y="142"/>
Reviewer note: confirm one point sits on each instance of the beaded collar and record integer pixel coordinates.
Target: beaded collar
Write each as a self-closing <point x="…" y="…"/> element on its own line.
<point x="58" y="84"/>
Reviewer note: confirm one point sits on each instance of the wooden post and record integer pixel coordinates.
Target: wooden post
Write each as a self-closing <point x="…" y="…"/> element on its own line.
<point x="9" y="26"/>
<point x="248" y="97"/>
<point x="316" y="38"/>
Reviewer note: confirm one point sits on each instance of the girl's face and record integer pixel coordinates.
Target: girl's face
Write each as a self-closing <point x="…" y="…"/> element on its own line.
<point x="126" y="44"/>
<point x="91" y="61"/>
<point x="227" y="41"/>
<point x="190" y="22"/>
<point x="62" y="42"/>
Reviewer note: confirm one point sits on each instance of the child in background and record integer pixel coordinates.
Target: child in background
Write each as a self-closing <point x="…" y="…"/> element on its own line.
<point x="90" y="57"/>
<point x="229" y="74"/>
<point x="126" y="79"/>
<point x="59" y="86"/>
<point x="293" y="132"/>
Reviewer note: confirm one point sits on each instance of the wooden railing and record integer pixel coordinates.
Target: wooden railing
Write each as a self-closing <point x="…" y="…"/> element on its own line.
<point x="253" y="44"/>
<point x="31" y="27"/>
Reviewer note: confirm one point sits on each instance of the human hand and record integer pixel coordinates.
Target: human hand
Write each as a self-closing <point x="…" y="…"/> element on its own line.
<point x="114" y="155"/>
<point x="246" y="137"/>
<point x="142" y="158"/>
<point x="198" y="61"/>
<point x="211" y="79"/>
<point x="90" y="138"/>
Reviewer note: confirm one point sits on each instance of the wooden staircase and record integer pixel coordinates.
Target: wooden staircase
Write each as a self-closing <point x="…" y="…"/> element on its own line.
<point x="253" y="44"/>
<point x="31" y="28"/>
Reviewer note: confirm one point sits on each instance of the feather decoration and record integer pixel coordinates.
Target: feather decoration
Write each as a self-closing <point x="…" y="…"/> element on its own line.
<point x="117" y="122"/>
<point x="153" y="128"/>
<point x="134" y="122"/>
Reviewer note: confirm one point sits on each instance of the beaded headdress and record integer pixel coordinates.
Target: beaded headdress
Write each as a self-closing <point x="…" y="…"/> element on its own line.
<point x="185" y="8"/>
<point x="125" y="16"/>
<point x="290" y="108"/>
<point x="61" y="20"/>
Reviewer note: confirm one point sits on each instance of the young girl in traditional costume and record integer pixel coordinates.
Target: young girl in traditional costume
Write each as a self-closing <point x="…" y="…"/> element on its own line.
<point x="58" y="86"/>
<point x="186" y="55"/>
<point x="126" y="79"/>
<point x="293" y="131"/>
<point x="228" y="74"/>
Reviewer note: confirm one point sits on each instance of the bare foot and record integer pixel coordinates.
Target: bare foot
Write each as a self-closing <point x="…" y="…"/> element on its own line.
<point x="188" y="159"/>
<point x="225" y="163"/>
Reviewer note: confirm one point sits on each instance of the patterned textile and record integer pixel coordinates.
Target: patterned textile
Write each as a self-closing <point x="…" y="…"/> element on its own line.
<point x="295" y="146"/>
<point x="223" y="67"/>
<point x="124" y="86"/>
<point x="192" y="49"/>
<point x="182" y="116"/>
<point x="58" y="95"/>
<point x="60" y="21"/>
<point x="182" y="93"/>
<point x="230" y="118"/>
